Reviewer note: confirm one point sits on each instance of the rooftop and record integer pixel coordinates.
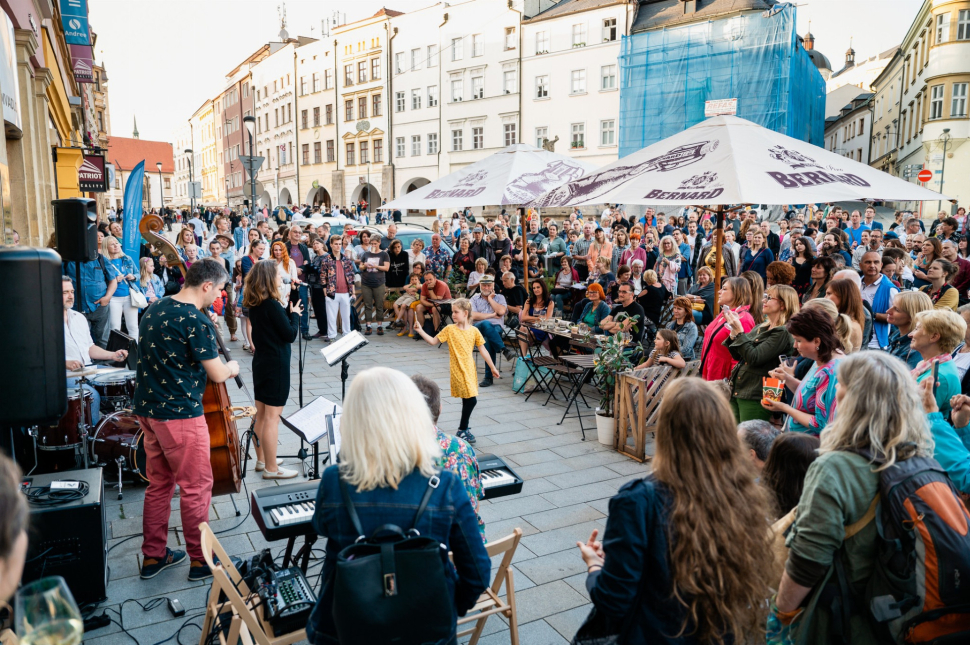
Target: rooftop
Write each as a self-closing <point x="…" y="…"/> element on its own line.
<point x="567" y="7"/>
<point x="654" y="14"/>
<point x="125" y="154"/>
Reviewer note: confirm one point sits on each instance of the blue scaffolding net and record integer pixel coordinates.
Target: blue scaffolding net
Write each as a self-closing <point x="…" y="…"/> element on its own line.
<point x="668" y="74"/>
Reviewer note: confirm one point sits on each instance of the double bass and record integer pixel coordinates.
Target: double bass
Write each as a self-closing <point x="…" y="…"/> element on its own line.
<point x="220" y="415"/>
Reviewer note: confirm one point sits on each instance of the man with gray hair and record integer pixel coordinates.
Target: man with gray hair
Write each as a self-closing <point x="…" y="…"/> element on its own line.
<point x="454" y="451"/>
<point x="756" y="437"/>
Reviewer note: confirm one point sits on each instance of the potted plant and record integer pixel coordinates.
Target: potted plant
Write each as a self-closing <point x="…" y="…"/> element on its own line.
<point x="611" y="360"/>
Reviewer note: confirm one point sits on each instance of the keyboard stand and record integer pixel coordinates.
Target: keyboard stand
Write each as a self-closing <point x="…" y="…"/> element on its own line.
<point x="303" y="554"/>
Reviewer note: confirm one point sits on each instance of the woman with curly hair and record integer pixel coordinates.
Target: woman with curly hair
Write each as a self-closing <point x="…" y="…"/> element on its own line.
<point x="686" y="556"/>
<point x="285" y="270"/>
<point x="780" y="273"/>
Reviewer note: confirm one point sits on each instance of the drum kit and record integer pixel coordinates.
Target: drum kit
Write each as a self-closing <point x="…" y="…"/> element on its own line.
<point x="76" y="442"/>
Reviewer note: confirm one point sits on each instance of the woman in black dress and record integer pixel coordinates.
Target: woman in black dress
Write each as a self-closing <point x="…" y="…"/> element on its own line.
<point x="273" y="333"/>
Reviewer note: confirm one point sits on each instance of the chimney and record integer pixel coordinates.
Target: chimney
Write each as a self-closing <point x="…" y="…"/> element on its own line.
<point x="690" y="6"/>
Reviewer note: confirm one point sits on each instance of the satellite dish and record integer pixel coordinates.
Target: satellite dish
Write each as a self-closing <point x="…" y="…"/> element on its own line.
<point x="284" y="35"/>
<point x="363" y="125"/>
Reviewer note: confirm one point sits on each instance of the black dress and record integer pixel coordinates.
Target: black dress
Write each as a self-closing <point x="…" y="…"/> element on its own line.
<point x="274" y="330"/>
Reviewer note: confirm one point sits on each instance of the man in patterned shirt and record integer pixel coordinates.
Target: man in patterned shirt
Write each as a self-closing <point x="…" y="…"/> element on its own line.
<point x="439" y="260"/>
<point x="178" y="353"/>
<point x="456" y="455"/>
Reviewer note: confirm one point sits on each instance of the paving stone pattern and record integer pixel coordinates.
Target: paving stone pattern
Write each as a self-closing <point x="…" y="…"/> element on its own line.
<point x="565" y="496"/>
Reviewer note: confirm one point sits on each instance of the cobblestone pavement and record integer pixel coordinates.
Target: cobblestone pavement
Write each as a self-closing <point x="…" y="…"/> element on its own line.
<point x="565" y="496"/>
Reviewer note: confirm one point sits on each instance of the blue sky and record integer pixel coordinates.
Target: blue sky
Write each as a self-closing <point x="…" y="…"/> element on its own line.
<point x="165" y="57"/>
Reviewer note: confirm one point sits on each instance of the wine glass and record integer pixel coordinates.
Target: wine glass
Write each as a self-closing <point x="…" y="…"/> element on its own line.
<point x="47" y="614"/>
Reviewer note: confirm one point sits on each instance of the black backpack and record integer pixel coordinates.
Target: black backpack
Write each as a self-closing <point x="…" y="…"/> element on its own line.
<point x="391" y="587"/>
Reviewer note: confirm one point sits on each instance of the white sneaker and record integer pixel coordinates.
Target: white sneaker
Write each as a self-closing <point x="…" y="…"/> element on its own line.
<point x="260" y="466"/>
<point x="281" y="473"/>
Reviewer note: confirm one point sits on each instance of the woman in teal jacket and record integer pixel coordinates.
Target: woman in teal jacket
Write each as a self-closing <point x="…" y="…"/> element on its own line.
<point x="596" y="309"/>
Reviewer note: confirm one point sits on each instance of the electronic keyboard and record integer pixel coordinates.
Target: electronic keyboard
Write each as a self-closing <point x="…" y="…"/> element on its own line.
<point x="285" y="511"/>
<point x="498" y="480"/>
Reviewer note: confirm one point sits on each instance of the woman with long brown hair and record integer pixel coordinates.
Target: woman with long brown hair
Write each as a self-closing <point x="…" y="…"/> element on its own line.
<point x="273" y="332"/>
<point x="848" y="300"/>
<point x="285" y="269"/>
<point x="802" y="259"/>
<point x="823" y="268"/>
<point x="689" y="544"/>
<point x="932" y="249"/>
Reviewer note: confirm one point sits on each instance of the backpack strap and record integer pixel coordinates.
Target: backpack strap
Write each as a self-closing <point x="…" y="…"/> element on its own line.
<point x="433" y="482"/>
<point x="870" y="515"/>
<point x="350" y="508"/>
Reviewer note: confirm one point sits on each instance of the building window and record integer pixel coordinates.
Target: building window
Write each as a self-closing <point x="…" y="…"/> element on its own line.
<point x="478" y="45"/>
<point x="399" y="102"/>
<point x="942" y="28"/>
<point x="542" y="87"/>
<point x="609" y="30"/>
<point x="399" y="63"/>
<point x="375" y="105"/>
<point x="936" y="102"/>
<point x="302" y="85"/>
<point x="963" y="25"/>
<point x="541" y="135"/>
<point x="327" y="79"/>
<point x="608" y="132"/>
<point x="362" y="71"/>
<point x="100" y="121"/>
<point x="432" y="96"/>
<point x="378" y="151"/>
<point x="579" y="35"/>
<point x="303" y="119"/>
<point x="432" y="143"/>
<point x="456" y="140"/>
<point x="509" y="81"/>
<point x="608" y="77"/>
<point x="306" y="153"/>
<point x="478" y="138"/>
<point x="415" y="59"/>
<point x="362" y="107"/>
<point x="399" y="147"/>
<point x="958" y="102"/>
<point x="364" y="152"/>
<point x="432" y="55"/>
<point x="350" y="155"/>
<point x="510" y="134"/>
<point x="578" y="134"/>
<point x="578" y="81"/>
<point x="330" y="114"/>
<point x="315" y="82"/>
<point x="415" y="99"/>
<point x="456" y="49"/>
<point x="348" y="110"/>
<point x="415" y="145"/>
<point x="542" y="42"/>
<point x="478" y="87"/>
<point x="456" y="87"/>
<point x="348" y="74"/>
<point x="375" y="69"/>
<point x="317" y="152"/>
<point x="316" y="117"/>
<point x="509" y="38"/>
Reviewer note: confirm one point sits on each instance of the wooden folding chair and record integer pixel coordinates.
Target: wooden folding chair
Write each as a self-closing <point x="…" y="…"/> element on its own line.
<point x="231" y="596"/>
<point x="489" y="602"/>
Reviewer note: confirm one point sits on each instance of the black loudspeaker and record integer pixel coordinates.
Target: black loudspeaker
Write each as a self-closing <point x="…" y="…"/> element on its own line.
<point x="69" y="539"/>
<point x="76" y="223"/>
<point x="33" y="383"/>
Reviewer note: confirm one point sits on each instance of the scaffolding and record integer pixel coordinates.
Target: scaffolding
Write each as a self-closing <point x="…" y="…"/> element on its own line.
<point x="668" y="74"/>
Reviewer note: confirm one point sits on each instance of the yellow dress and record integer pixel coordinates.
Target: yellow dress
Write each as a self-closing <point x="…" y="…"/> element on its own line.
<point x="461" y="344"/>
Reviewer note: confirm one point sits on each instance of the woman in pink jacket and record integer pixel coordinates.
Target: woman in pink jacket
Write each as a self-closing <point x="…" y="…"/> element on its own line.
<point x="716" y="360"/>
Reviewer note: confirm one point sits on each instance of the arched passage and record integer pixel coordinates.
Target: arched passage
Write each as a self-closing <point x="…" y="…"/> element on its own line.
<point x="285" y="198"/>
<point x="318" y="197"/>
<point x="413" y="185"/>
<point x="369" y="194"/>
<point x="266" y="199"/>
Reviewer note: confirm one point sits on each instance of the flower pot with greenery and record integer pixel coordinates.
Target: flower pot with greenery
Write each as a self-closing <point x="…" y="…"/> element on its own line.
<point x="612" y="358"/>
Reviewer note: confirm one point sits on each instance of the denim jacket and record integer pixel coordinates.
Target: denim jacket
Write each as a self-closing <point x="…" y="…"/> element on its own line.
<point x="93" y="283"/>
<point x="448" y="518"/>
<point x="328" y="274"/>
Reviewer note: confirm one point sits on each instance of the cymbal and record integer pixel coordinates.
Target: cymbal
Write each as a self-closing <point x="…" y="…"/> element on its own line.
<point x="91" y="371"/>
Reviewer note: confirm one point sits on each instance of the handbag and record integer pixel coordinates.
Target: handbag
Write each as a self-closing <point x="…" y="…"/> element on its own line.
<point x="384" y="581"/>
<point x="136" y="297"/>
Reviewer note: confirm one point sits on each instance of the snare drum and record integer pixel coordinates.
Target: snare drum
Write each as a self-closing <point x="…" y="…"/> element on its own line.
<point x="120" y="435"/>
<point x="117" y="389"/>
<point x="67" y="433"/>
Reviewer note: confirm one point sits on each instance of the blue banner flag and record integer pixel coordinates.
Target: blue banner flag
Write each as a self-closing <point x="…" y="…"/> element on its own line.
<point x="74" y="19"/>
<point x="131" y="245"/>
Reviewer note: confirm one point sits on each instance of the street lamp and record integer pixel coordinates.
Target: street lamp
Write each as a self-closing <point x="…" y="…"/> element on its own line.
<point x="945" y="140"/>
<point x="250" y="122"/>
<point x="161" y="190"/>
<point x="188" y="151"/>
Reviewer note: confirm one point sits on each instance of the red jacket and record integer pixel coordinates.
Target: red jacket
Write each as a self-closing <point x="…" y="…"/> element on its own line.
<point x="717" y="360"/>
<point x="961" y="281"/>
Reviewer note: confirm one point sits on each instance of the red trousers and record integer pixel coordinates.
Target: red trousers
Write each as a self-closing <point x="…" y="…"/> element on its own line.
<point x="178" y="453"/>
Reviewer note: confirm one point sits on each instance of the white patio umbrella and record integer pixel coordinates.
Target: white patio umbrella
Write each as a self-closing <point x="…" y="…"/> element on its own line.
<point x="513" y="176"/>
<point x="729" y="160"/>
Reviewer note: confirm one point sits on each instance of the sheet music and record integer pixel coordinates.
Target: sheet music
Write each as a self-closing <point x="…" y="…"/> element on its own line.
<point x="312" y="421"/>
<point x="347" y="344"/>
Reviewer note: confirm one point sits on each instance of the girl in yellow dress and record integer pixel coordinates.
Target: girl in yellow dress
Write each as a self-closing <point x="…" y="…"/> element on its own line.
<point x="462" y="339"/>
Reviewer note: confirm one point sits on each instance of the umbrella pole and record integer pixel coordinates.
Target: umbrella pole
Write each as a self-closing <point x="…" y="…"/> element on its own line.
<point x="718" y="254"/>
<point x="525" y="261"/>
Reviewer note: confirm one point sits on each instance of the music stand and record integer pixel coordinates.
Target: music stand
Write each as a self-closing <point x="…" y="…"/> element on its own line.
<point x="118" y="340"/>
<point x="339" y="350"/>
<point x="310" y="424"/>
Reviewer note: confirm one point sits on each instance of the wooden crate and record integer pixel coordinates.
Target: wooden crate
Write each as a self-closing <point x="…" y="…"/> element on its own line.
<point x="638" y="396"/>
